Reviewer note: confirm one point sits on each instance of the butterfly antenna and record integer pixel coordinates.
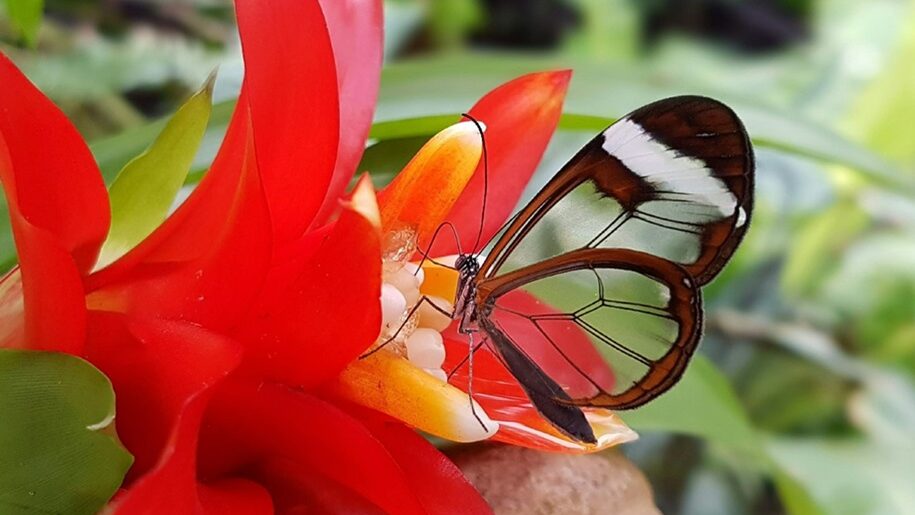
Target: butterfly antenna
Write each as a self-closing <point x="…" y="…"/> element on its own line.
<point x="425" y="253"/>
<point x="485" y="180"/>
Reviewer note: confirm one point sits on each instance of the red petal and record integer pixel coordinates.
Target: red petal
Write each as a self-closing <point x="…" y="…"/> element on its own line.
<point x="310" y="325"/>
<point x="520" y="118"/>
<point x="59" y="214"/>
<point x="44" y="300"/>
<point x="440" y="485"/>
<point x="298" y="490"/>
<point x="51" y="178"/>
<point x="172" y="276"/>
<point x="235" y="496"/>
<point x="254" y="423"/>
<point x="491" y="380"/>
<point x="171" y="492"/>
<point x="162" y="372"/>
<point x="292" y="85"/>
<point x="355" y="28"/>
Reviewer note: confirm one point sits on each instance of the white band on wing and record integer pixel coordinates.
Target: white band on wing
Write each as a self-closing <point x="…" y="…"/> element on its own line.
<point x="666" y="169"/>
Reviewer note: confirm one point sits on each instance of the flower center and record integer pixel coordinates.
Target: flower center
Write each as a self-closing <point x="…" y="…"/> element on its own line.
<point x="411" y="325"/>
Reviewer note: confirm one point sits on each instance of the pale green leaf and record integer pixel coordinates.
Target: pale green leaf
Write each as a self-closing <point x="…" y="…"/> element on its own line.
<point x="145" y="189"/>
<point x="58" y="450"/>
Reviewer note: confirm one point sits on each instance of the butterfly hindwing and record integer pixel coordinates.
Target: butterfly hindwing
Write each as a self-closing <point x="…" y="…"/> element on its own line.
<point x="618" y="327"/>
<point x="544" y="393"/>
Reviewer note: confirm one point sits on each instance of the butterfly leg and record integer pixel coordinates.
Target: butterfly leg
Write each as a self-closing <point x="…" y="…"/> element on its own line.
<point x="473" y="409"/>
<point x="465" y="359"/>
<point x="468" y="360"/>
<point x="406" y="320"/>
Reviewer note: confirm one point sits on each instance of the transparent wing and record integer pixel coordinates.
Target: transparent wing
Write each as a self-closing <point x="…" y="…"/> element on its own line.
<point x="641" y="314"/>
<point x="673" y="179"/>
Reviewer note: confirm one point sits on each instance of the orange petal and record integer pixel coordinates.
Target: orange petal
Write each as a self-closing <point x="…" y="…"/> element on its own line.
<point x="535" y="433"/>
<point x="390" y="384"/>
<point x="425" y="190"/>
<point x="440" y="281"/>
<point x="521" y="115"/>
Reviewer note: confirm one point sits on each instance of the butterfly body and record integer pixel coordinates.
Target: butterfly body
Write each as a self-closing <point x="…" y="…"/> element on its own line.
<point x="638" y="220"/>
<point x="465" y="307"/>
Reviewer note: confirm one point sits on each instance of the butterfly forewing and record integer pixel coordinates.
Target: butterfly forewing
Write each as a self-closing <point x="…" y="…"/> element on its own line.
<point x="618" y="244"/>
<point x="673" y="179"/>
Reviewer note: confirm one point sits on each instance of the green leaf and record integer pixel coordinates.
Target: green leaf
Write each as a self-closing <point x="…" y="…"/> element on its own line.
<point x="819" y="245"/>
<point x="873" y="288"/>
<point x="113" y="152"/>
<point x="850" y="476"/>
<point x="702" y="404"/>
<point x="58" y="450"/>
<point x="794" y="495"/>
<point x="145" y="189"/>
<point x="26" y="18"/>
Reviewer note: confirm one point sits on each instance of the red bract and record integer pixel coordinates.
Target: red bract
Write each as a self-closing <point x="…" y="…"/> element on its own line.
<point x="231" y="333"/>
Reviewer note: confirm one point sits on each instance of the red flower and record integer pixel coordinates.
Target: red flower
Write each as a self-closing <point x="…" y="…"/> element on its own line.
<point x="231" y="333"/>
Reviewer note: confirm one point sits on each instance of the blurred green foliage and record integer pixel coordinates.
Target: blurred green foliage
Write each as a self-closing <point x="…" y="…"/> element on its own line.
<point x="25" y="17"/>
<point x="804" y="400"/>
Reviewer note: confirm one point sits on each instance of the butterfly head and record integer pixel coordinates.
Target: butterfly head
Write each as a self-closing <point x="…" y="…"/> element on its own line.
<point x="467" y="264"/>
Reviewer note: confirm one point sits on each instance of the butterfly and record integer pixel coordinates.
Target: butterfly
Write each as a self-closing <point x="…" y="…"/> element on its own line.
<point x="619" y="242"/>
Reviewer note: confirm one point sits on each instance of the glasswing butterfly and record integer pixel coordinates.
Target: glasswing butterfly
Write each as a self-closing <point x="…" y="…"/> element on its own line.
<point x="619" y="242"/>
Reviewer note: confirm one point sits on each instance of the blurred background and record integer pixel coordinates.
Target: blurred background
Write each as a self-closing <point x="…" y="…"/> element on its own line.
<point x="802" y="400"/>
